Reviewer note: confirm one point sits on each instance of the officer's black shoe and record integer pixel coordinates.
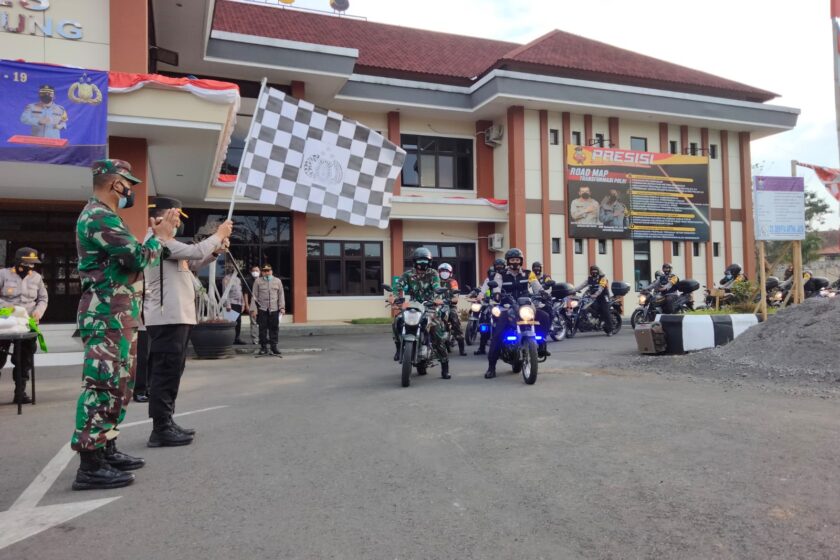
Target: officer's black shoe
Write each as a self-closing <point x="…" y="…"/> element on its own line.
<point x="444" y="370"/>
<point x="263" y="351"/>
<point x="480" y="352"/>
<point x="542" y="351"/>
<point x="22" y="399"/>
<point x="276" y="351"/>
<point x="96" y="474"/>
<point x="140" y="396"/>
<point x="168" y="436"/>
<point x="490" y="373"/>
<point x="461" y="350"/>
<point x="397" y="352"/>
<point x="121" y="461"/>
<point x="183" y="430"/>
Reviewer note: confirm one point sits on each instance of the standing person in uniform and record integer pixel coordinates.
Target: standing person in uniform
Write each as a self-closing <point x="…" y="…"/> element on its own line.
<point x="251" y="305"/>
<point x="270" y="303"/>
<point x="486" y="292"/>
<point x="141" y="376"/>
<point x="450" y="283"/>
<point x="597" y="288"/>
<point x="235" y="300"/>
<point x="111" y="263"/>
<point x="537" y="269"/>
<point x="21" y="286"/>
<point x="46" y="117"/>
<point x="170" y="315"/>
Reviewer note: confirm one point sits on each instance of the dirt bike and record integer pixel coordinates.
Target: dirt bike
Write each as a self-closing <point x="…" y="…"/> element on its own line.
<point x="477" y="310"/>
<point x="580" y="317"/>
<point x="653" y="303"/>
<point x="415" y="337"/>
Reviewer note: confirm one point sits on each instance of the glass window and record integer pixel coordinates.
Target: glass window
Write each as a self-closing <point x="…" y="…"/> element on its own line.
<point x="461" y="256"/>
<point x="554" y="136"/>
<point x="713" y="150"/>
<point x="555" y="245"/>
<point x="696" y="248"/>
<point x="638" y="144"/>
<point x="356" y="271"/>
<point x="692" y="148"/>
<point x="675" y="251"/>
<point x="578" y="246"/>
<point x="673" y="146"/>
<point x="716" y="249"/>
<point x="641" y="263"/>
<point x="599" y="140"/>
<point x="437" y="162"/>
<point x="576" y="136"/>
<point x="602" y="246"/>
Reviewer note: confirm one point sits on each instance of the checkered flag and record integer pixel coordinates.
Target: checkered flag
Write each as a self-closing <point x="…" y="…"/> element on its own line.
<point x="308" y="159"/>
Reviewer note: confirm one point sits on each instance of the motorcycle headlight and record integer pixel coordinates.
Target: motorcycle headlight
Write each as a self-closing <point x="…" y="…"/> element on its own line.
<point x="642" y="300"/>
<point x="496" y="311"/>
<point x="573" y="303"/>
<point x="412" y="317"/>
<point x="476" y="307"/>
<point x="777" y="295"/>
<point x="527" y="313"/>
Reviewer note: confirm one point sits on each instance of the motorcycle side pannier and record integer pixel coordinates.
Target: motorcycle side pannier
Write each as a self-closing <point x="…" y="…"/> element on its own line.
<point x="562" y="289"/>
<point x="816" y="283"/>
<point x="620" y="288"/>
<point x="687" y="286"/>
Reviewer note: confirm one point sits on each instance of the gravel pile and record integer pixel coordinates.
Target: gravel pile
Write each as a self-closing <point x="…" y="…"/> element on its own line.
<point x="799" y="344"/>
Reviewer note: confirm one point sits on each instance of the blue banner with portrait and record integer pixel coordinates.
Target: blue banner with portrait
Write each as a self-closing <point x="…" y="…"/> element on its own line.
<point x="52" y="114"/>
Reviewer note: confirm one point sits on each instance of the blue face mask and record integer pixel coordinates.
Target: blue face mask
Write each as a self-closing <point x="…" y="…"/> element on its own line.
<point x="126" y="201"/>
<point x="269" y="277"/>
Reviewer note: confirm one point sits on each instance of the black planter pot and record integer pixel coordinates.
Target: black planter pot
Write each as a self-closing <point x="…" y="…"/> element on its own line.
<point x="213" y="340"/>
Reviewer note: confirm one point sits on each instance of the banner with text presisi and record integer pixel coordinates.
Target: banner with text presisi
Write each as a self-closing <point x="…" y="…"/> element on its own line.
<point x="623" y="194"/>
<point x="52" y="114"/>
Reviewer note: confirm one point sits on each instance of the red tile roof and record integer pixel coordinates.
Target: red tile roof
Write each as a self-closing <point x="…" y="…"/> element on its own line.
<point x="443" y="57"/>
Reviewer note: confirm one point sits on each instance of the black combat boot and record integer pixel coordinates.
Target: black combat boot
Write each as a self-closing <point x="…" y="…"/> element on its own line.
<point x="119" y="460"/>
<point x="444" y="370"/>
<point x="22" y="398"/>
<point x="275" y="351"/>
<point x="398" y="346"/>
<point x="542" y="351"/>
<point x="461" y="350"/>
<point x="264" y="351"/>
<point x="490" y="373"/>
<point x="164" y="434"/>
<point x="183" y="430"/>
<point x="96" y="474"/>
<point x="140" y="396"/>
<point x="481" y="351"/>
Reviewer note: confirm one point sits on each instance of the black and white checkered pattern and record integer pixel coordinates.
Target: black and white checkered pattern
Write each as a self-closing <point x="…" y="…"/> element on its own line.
<point x="309" y="159"/>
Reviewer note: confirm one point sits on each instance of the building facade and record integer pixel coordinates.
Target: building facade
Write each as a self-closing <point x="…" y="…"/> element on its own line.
<point x="485" y="124"/>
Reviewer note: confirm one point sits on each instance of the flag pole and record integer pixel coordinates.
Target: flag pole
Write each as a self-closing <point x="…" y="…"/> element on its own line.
<point x="245" y="149"/>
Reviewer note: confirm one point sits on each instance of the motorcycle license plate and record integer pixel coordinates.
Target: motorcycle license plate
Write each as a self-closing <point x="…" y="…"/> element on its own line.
<point x="526" y="323"/>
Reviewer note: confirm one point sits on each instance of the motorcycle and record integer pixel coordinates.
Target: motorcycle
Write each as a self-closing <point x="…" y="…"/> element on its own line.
<point x="519" y="344"/>
<point x="653" y="303"/>
<point x="579" y="316"/>
<point x="474" y="322"/>
<point x="415" y="337"/>
<point x="559" y="324"/>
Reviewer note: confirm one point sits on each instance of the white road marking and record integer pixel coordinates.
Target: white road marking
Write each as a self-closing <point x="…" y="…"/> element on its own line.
<point x="25" y="519"/>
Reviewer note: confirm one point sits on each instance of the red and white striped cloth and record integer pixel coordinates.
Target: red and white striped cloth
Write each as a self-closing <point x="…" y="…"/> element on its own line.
<point x="828" y="176"/>
<point x="209" y="90"/>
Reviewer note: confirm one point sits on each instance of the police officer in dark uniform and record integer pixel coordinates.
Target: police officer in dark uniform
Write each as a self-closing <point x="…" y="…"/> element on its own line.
<point x="666" y="285"/>
<point x="516" y="282"/>
<point x="598" y="288"/>
<point x="537" y="269"/>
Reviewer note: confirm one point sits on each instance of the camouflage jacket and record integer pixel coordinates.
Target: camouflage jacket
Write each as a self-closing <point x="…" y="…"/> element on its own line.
<point x="420" y="287"/>
<point x="111" y="263"/>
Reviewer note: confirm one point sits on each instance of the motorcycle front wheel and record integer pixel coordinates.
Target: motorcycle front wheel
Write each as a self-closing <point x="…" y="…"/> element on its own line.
<point x="472" y="330"/>
<point x="529" y="363"/>
<point x="559" y="329"/>
<point x="637" y="317"/>
<point x="408" y="351"/>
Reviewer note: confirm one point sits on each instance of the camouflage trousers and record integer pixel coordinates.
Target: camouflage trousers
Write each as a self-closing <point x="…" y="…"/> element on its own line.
<point x="107" y="383"/>
<point x="437" y="330"/>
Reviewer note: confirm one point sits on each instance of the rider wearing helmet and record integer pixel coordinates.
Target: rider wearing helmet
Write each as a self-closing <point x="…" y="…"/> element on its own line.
<point x="516" y="282"/>
<point x="486" y="292"/>
<point x="21" y="286"/>
<point x="420" y="284"/>
<point x="537" y="269"/>
<point x="666" y="285"/>
<point x="731" y="275"/>
<point x="449" y="282"/>
<point x="500" y="265"/>
<point x="597" y="288"/>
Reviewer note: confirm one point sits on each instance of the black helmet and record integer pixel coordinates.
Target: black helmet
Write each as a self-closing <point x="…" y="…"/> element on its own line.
<point x="422" y="258"/>
<point x="536" y="265"/>
<point x="658" y="274"/>
<point x="499" y="263"/>
<point x="734" y="269"/>
<point x="667" y="268"/>
<point x="491" y="271"/>
<point x="594" y="271"/>
<point x="514" y="253"/>
<point x="27" y="255"/>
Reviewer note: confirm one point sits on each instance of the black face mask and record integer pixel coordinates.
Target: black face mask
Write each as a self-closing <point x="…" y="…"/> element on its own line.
<point x="46" y="99"/>
<point x="23" y="271"/>
<point x="585" y="195"/>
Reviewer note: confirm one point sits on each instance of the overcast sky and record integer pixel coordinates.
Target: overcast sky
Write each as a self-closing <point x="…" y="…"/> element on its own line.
<point x="781" y="46"/>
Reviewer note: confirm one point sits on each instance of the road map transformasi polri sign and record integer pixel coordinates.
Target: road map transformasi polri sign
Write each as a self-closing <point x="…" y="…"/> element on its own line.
<point x="622" y="194"/>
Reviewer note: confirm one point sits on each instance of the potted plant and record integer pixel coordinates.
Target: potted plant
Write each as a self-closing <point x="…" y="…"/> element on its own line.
<point x="213" y="335"/>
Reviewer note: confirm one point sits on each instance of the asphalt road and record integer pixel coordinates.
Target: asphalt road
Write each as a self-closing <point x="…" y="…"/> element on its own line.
<point x="324" y="456"/>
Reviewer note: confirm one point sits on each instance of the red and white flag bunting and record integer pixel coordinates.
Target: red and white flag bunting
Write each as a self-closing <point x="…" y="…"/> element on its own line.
<point x="828" y="176"/>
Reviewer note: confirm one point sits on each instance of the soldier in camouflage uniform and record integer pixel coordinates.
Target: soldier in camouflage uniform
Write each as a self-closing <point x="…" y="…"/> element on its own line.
<point x="420" y="283"/>
<point x="111" y="263"/>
